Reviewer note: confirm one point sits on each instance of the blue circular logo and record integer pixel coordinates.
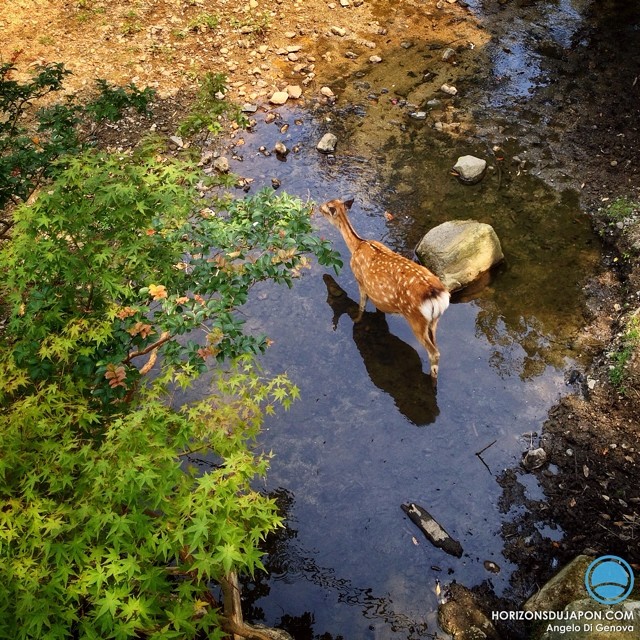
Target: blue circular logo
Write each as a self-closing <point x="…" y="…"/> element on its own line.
<point x="609" y="580"/>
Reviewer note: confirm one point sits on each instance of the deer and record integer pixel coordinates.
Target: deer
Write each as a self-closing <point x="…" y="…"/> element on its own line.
<point x="392" y="282"/>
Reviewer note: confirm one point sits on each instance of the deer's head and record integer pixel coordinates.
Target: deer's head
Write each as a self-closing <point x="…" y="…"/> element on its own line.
<point x="335" y="211"/>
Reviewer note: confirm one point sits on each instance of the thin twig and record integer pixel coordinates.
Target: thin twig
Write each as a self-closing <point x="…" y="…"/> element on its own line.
<point x="478" y="453"/>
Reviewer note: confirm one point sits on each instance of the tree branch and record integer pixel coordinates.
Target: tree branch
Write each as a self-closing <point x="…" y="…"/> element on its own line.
<point x="165" y="337"/>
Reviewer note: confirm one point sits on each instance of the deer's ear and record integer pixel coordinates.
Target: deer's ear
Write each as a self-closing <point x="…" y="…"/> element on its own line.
<point x="347" y="203"/>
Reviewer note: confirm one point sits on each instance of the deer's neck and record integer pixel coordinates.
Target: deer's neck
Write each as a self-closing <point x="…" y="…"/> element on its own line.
<point x="351" y="238"/>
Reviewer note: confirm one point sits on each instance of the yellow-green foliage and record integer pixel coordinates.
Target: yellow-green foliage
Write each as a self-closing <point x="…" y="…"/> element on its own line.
<point x="107" y="527"/>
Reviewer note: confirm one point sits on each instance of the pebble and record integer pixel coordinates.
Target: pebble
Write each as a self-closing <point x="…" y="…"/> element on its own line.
<point x="280" y="148"/>
<point x="449" y="89"/>
<point x="327" y="93"/>
<point x="279" y="97"/>
<point x="448" y="54"/>
<point x="327" y="143"/>
<point x="294" y="91"/>
<point x="221" y="164"/>
<point x="534" y="459"/>
<point x="418" y="115"/>
<point x="375" y="59"/>
<point x="339" y="31"/>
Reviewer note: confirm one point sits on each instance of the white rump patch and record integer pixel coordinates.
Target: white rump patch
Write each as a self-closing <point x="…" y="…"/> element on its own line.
<point x="435" y="306"/>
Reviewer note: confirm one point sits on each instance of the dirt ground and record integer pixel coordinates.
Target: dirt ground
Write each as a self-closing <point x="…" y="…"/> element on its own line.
<point x="591" y="437"/>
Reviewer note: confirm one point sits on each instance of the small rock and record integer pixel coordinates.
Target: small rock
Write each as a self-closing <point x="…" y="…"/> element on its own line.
<point x="345" y="3"/>
<point x="293" y="57"/>
<point x="290" y="34"/>
<point x="492" y="567"/>
<point x="375" y="59"/>
<point x="279" y="97"/>
<point x="534" y="459"/>
<point x="327" y="93"/>
<point x="221" y="165"/>
<point x="281" y="149"/>
<point x="339" y="31"/>
<point x="418" y="115"/>
<point x="177" y="140"/>
<point x="294" y="91"/>
<point x="327" y="143"/>
<point x="462" y="617"/>
<point x="249" y="107"/>
<point x="449" y="89"/>
<point x="470" y="169"/>
<point x="448" y="54"/>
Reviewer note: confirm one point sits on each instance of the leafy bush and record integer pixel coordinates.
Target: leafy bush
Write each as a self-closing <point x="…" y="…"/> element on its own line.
<point x="113" y="100"/>
<point x="109" y="526"/>
<point x="210" y="108"/>
<point x="629" y="341"/>
<point x="28" y="148"/>
<point x="26" y="153"/>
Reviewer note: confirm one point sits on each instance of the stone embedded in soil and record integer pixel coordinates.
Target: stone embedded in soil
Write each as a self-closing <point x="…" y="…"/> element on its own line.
<point x="462" y="617"/>
<point x="375" y="59"/>
<point x="449" y="89"/>
<point x="327" y="143"/>
<point x="339" y="31"/>
<point x="534" y="459"/>
<point x="448" y="54"/>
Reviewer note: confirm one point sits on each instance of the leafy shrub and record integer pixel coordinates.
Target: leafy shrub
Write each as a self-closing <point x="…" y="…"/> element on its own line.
<point x="210" y="108"/>
<point x="109" y="526"/>
<point x="628" y="346"/>
<point x="26" y="153"/>
<point x="28" y="149"/>
<point x="113" y="100"/>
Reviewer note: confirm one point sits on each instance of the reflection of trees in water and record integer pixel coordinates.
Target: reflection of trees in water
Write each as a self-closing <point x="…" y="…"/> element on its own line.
<point x="526" y="337"/>
<point x="288" y="562"/>
<point x="520" y="344"/>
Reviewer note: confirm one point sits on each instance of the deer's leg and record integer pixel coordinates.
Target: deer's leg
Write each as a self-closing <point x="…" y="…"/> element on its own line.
<point x="425" y="331"/>
<point x="363" y="303"/>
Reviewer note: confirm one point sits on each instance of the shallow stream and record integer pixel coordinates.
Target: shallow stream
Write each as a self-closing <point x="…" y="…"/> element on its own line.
<point x="370" y="432"/>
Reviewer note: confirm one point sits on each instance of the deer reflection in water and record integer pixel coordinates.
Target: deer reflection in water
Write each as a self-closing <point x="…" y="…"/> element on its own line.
<point x="393" y="365"/>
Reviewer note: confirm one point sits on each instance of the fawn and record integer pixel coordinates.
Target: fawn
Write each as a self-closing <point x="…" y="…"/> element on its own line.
<point x="394" y="283"/>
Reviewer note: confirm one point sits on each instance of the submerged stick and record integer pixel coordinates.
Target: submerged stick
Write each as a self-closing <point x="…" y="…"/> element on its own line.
<point x="432" y="529"/>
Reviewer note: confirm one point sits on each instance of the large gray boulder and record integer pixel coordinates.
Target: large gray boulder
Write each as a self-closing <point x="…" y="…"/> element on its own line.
<point x="459" y="251"/>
